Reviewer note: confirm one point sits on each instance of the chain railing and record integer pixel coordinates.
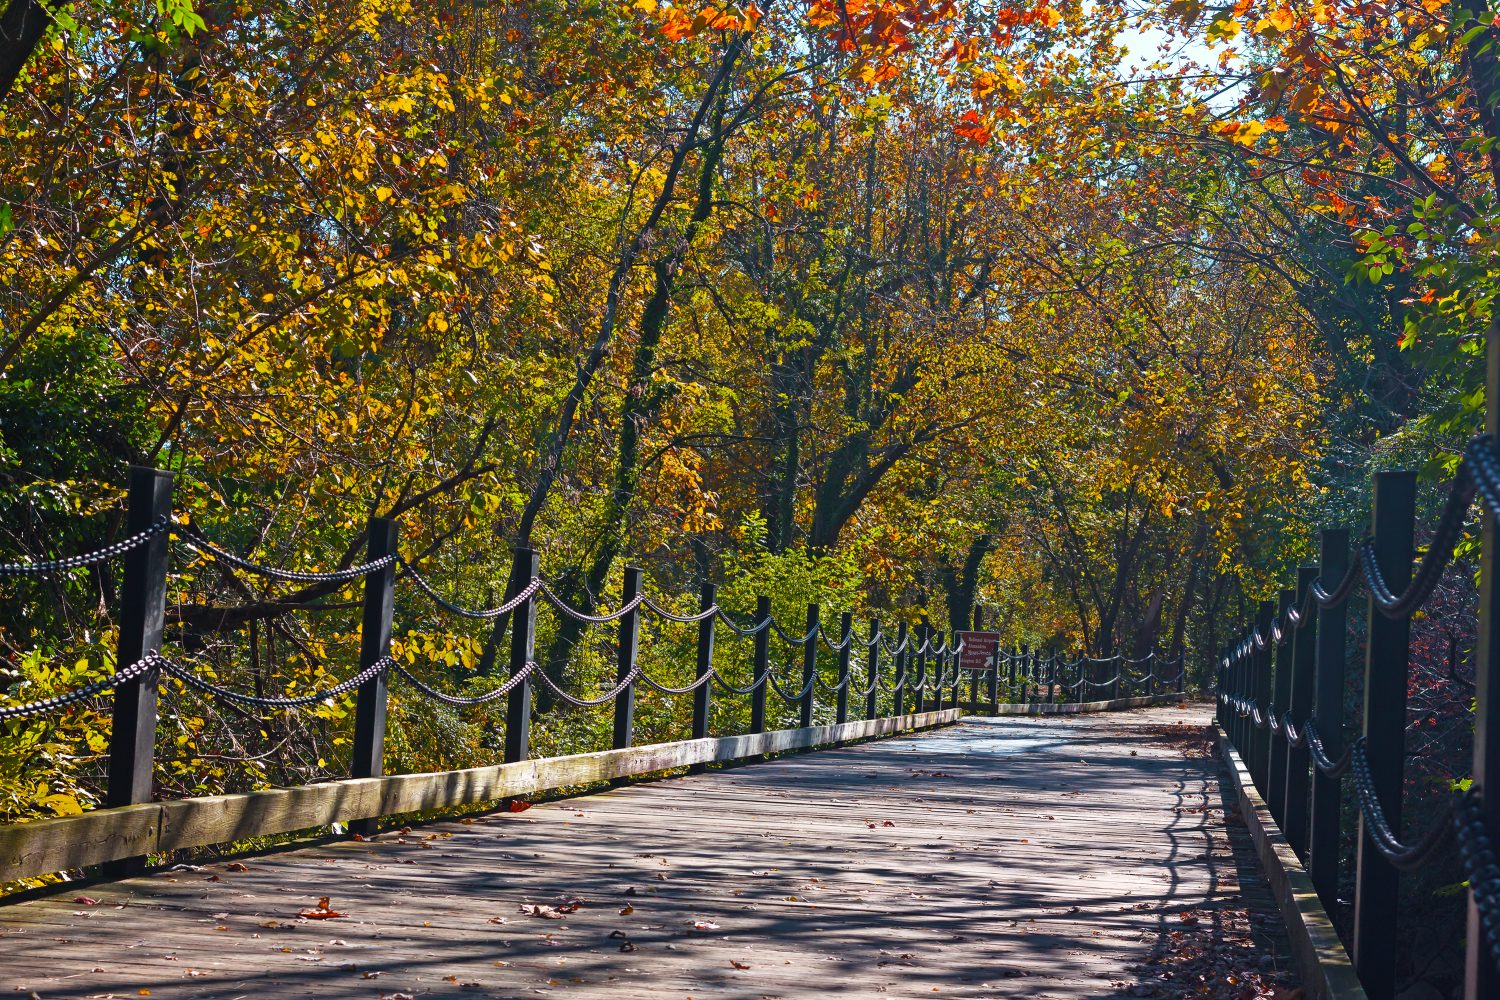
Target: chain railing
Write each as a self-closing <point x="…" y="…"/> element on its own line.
<point x="1281" y="691"/>
<point x="877" y="671"/>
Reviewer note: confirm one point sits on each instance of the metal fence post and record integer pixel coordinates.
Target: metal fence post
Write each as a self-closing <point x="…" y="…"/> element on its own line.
<point x="626" y="652"/>
<point x="143" y="603"/>
<point x="374" y="645"/>
<point x="924" y="641"/>
<point x="1299" y="705"/>
<point x="809" y="666"/>
<point x="950" y="668"/>
<point x="1023" y="670"/>
<point x="872" y="671"/>
<point x="1281" y="693"/>
<point x="762" y="664"/>
<point x="846" y="636"/>
<point x="1260" y="692"/>
<point x="523" y="569"/>
<point x="1481" y="977"/>
<point x="1387" y="651"/>
<point x="993" y="675"/>
<point x="898" y="699"/>
<point x="702" y="694"/>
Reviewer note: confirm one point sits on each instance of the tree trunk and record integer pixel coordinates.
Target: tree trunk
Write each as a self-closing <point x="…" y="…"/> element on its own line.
<point x="21" y="29"/>
<point x="961" y="583"/>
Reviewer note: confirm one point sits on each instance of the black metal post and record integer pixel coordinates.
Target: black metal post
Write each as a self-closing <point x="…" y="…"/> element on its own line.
<point x="762" y="664"/>
<point x="993" y="675"/>
<point x="374" y="645"/>
<point x="846" y="636"/>
<point x="949" y="697"/>
<point x="872" y="671"/>
<point x="1299" y="705"/>
<point x="1281" y="693"/>
<point x="809" y="666"/>
<point x="143" y="603"/>
<point x="1023" y="671"/>
<point x="898" y="700"/>
<point x="1260" y="691"/>
<point x="702" y="694"/>
<point x="523" y="569"/>
<point x="1481" y="977"/>
<point x="1387" y="653"/>
<point x="919" y="696"/>
<point x="627" y="650"/>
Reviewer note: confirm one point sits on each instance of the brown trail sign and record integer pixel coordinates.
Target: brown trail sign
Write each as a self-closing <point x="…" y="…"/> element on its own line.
<point x="979" y="649"/>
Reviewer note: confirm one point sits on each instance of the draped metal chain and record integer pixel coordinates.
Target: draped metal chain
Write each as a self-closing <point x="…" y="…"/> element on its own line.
<point x="49" y="567"/>
<point x="355" y="572"/>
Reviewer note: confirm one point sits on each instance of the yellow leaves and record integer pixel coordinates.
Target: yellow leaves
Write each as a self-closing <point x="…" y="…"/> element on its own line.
<point x="1223" y="28"/>
<point x="1276" y="23"/>
<point x="383" y="194"/>
<point x="1246" y="133"/>
<point x="60" y="803"/>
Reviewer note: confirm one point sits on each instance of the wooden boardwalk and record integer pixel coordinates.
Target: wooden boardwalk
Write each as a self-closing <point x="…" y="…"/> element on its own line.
<point x="998" y="858"/>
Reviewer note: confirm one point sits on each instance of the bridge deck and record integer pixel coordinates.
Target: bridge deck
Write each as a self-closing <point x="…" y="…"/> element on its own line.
<point x="1012" y="858"/>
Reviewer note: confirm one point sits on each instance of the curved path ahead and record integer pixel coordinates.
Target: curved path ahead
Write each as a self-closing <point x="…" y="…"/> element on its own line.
<point x="1056" y="857"/>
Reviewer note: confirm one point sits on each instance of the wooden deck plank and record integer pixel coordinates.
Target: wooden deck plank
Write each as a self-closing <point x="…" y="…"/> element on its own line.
<point x="1025" y="857"/>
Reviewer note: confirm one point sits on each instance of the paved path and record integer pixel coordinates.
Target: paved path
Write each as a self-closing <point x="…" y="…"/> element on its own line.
<point x="1000" y="858"/>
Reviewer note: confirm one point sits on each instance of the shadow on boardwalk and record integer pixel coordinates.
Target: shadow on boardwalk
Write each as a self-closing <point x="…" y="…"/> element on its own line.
<point x="1064" y="857"/>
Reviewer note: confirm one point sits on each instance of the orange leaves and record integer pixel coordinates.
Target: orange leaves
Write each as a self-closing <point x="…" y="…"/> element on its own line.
<point x="877" y="28"/>
<point x="1247" y="132"/>
<point x="321" y="912"/>
<point x="971" y="128"/>
<point x="680" y="23"/>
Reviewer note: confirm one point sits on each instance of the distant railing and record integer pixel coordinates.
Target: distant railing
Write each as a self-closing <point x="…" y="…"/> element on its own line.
<point x="924" y="678"/>
<point x="922" y="687"/>
<point x="1281" y="702"/>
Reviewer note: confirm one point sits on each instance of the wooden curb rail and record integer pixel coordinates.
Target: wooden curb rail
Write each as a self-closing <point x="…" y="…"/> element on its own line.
<point x="1322" y="963"/>
<point x="28" y="850"/>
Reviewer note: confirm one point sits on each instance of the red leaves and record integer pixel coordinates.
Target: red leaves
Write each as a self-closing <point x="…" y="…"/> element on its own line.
<point x="972" y="129"/>
<point x="321" y="912"/>
<point x="518" y="805"/>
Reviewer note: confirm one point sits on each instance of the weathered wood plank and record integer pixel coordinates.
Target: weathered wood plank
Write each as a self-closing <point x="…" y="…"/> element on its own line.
<point x="50" y="845"/>
<point x="31" y="849"/>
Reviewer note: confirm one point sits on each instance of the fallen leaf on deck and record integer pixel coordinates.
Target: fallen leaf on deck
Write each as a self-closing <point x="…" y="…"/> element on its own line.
<point x="738" y="965"/>
<point x="236" y="866"/>
<point x="626" y="910"/>
<point x="321" y="912"/>
<point x="85" y="901"/>
<point x="518" y="805"/>
<point x="705" y="925"/>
